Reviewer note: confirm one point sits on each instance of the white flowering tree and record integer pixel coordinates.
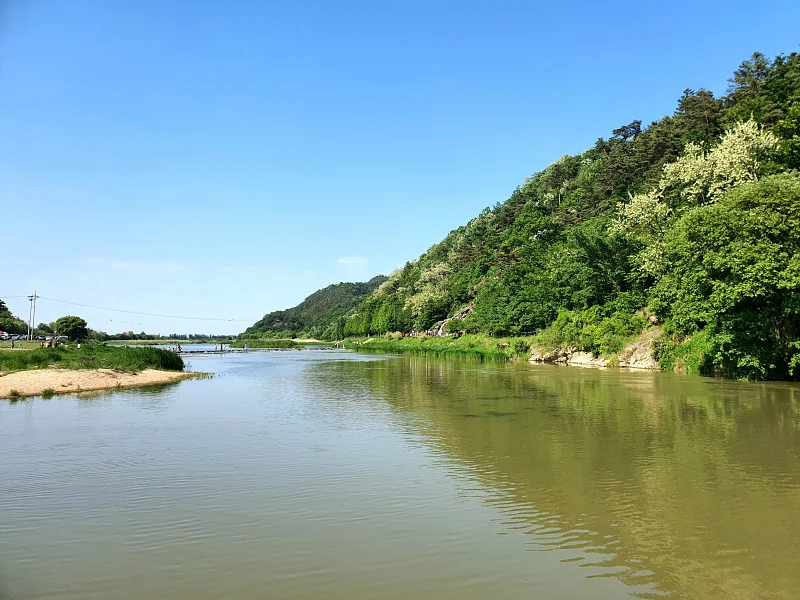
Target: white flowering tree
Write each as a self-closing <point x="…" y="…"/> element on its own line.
<point x="432" y="290"/>
<point x="702" y="177"/>
<point x="735" y="160"/>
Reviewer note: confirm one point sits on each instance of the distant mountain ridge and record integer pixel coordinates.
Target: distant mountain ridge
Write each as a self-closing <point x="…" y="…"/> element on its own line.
<point x="321" y="312"/>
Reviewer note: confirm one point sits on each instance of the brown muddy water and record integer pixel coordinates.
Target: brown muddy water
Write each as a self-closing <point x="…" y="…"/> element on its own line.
<point x="327" y="474"/>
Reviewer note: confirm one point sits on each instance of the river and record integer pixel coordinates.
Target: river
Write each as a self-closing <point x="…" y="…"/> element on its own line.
<point x="329" y="474"/>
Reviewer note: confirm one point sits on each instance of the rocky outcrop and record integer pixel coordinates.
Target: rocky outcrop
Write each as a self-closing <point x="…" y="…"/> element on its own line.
<point x="438" y="328"/>
<point x="636" y="355"/>
<point x="567" y="356"/>
<point x="639" y="353"/>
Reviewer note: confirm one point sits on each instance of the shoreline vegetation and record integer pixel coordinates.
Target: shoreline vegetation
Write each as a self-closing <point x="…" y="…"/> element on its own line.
<point x="49" y="371"/>
<point x="277" y="343"/>
<point x="169" y="341"/>
<point x="634" y="351"/>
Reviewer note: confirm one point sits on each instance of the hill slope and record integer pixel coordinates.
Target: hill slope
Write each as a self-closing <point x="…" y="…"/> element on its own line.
<point x="316" y="315"/>
<point x="588" y="251"/>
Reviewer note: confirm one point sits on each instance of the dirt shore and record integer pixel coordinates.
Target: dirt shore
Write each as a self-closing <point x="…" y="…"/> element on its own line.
<point x="33" y="383"/>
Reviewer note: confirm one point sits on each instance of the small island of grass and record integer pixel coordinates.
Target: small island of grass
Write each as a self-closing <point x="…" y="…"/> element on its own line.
<point x="91" y="367"/>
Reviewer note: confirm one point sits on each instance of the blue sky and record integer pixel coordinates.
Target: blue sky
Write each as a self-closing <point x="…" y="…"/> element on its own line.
<point x="225" y="159"/>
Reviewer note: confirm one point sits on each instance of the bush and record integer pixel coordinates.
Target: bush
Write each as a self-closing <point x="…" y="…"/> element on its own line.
<point x="691" y="355"/>
<point x="454" y="326"/>
<point x="592" y="331"/>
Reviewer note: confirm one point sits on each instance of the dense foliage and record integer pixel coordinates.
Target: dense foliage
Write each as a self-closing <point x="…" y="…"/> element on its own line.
<point x="690" y="220"/>
<point x="321" y="315"/>
<point x="734" y="270"/>
<point x="9" y="323"/>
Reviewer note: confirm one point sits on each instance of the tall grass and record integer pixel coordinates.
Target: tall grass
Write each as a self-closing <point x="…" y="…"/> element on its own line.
<point x="468" y="346"/>
<point x="92" y="357"/>
<point x="267" y="343"/>
<point x="692" y="355"/>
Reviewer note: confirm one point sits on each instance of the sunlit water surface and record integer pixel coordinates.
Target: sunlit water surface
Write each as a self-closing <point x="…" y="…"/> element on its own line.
<point x="324" y="474"/>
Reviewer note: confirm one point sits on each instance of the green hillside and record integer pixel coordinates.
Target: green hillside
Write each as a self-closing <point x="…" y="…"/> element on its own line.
<point x="691" y="222"/>
<point x="320" y="315"/>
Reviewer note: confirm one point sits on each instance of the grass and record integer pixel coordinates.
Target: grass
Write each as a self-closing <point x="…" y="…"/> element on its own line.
<point x="267" y="343"/>
<point x="48" y="393"/>
<point x="26" y="345"/>
<point x="92" y="356"/>
<point x="477" y="346"/>
<point x="170" y="342"/>
<point x="691" y="355"/>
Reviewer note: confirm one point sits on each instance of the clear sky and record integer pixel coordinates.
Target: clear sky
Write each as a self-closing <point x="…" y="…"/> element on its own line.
<point x="225" y="159"/>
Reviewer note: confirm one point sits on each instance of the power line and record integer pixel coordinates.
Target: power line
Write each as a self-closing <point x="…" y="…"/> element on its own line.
<point x="134" y="312"/>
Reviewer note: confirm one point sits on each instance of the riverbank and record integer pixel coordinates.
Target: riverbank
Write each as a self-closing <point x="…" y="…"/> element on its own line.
<point x="47" y="382"/>
<point x="636" y="354"/>
<point x="468" y="346"/>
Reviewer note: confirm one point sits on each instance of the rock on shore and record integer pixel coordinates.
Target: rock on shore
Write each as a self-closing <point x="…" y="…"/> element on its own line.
<point x="636" y="355"/>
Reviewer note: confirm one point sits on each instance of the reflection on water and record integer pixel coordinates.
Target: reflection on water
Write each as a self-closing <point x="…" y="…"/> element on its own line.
<point x="328" y="474"/>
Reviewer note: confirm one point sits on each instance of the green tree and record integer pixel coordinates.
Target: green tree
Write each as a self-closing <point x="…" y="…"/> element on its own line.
<point x="11" y="324"/>
<point x="735" y="270"/>
<point x="788" y="151"/>
<point x="698" y="116"/>
<point x="73" y="327"/>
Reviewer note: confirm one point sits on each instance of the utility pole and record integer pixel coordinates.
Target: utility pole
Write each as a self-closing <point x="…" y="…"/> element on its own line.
<point x="32" y="315"/>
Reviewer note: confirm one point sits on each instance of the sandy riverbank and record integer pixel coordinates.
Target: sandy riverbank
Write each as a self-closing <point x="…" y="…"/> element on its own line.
<point x="33" y="383"/>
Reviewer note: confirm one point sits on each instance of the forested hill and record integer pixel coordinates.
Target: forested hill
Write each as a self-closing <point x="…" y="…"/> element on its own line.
<point x="691" y="222"/>
<point x="319" y="315"/>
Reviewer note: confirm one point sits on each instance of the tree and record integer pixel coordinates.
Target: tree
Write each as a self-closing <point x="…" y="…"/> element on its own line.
<point x="788" y="151"/>
<point x="735" y="160"/>
<point x="73" y="327"/>
<point x="700" y="177"/>
<point x="10" y="324"/>
<point x="698" y="116"/>
<point x="735" y="272"/>
<point x="629" y="131"/>
<point x="749" y="78"/>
